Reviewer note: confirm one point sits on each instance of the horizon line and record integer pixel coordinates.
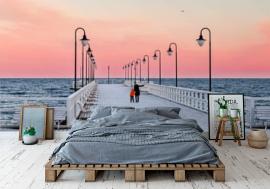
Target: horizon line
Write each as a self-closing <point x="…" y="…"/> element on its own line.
<point x="136" y="78"/>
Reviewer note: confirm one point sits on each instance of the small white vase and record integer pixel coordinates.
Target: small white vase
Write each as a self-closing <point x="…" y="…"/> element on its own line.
<point x="234" y="113"/>
<point x="223" y="112"/>
<point x="28" y="139"/>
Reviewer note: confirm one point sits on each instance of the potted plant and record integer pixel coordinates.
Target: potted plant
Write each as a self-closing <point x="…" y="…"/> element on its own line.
<point x="223" y="106"/>
<point x="29" y="135"/>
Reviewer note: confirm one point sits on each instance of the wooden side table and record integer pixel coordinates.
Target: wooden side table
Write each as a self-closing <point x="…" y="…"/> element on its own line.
<point x="221" y="129"/>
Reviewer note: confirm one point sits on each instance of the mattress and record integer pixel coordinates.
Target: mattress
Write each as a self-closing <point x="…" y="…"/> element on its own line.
<point x="135" y="136"/>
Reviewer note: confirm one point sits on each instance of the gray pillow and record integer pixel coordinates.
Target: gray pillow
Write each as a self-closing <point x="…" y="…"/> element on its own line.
<point x="132" y="117"/>
<point x="169" y="112"/>
<point x="100" y="111"/>
<point x="116" y="109"/>
<point x="148" y="109"/>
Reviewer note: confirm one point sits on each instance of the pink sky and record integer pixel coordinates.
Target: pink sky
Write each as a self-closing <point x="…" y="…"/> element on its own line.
<point x="37" y="37"/>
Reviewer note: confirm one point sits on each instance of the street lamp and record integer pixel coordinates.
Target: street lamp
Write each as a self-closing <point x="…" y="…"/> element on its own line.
<point x="135" y="69"/>
<point x="144" y="60"/>
<point x="155" y="58"/>
<point x="124" y="68"/>
<point x="92" y="65"/>
<point x="88" y="52"/>
<point x="138" y="61"/>
<point x="131" y="65"/>
<point x="170" y="52"/>
<point x="89" y="69"/>
<point x="84" y="42"/>
<point x="128" y="71"/>
<point x="200" y="42"/>
<point x="108" y="74"/>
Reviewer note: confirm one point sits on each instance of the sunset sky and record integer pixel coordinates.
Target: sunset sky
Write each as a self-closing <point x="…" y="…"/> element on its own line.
<point x="37" y="37"/>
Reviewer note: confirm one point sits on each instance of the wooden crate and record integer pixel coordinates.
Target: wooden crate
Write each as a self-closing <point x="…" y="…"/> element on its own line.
<point x="135" y="172"/>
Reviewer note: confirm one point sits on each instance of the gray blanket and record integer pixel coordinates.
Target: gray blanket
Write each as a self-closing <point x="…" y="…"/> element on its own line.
<point x="135" y="137"/>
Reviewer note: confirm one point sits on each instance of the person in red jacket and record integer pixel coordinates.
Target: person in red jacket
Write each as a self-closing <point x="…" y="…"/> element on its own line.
<point x="132" y="95"/>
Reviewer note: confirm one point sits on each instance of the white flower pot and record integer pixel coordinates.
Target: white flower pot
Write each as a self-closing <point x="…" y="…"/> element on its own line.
<point x="28" y="139"/>
<point x="223" y="112"/>
<point x="234" y="113"/>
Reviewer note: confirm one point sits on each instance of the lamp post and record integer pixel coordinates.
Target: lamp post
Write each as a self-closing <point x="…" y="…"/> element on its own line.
<point x="144" y="60"/>
<point x="128" y="71"/>
<point x="125" y="72"/>
<point x="88" y="54"/>
<point x="155" y="58"/>
<point x="138" y="61"/>
<point x="131" y="65"/>
<point x="170" y="52"/>
<point x="84" y="42"/>
<point x="200" y="42"/>
<point x="135" y="70"/>
<point x="86" y="68"/>
<point x="108" y="74"/>
<point x="123" y="68"/>
<point x="89" y="69"/>
<point x="82" y="75"/>
<point x="92" y="66"/>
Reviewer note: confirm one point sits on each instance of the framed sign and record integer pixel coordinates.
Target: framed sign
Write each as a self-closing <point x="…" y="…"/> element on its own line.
<point x="229" y="107"/>
<point x="35" y="116"/>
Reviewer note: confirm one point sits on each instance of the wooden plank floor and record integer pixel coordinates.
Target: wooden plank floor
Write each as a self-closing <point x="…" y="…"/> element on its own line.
<point x="22" y="167"/>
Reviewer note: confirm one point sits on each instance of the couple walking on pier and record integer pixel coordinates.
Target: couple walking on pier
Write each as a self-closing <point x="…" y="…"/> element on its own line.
<point x="135" y="92"/>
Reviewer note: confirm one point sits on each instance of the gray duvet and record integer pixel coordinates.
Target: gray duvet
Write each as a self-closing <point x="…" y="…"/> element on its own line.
<point x="135" y="137"/>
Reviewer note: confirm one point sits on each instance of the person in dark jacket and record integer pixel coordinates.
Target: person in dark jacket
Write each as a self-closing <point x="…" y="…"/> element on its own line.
<point x="137" y="92"/>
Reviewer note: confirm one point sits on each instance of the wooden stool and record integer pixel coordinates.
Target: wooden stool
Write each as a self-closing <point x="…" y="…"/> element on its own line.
<point x="221" y="130"/>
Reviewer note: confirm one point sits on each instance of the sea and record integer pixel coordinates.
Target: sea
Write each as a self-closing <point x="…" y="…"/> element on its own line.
<point x="17" y="91"/>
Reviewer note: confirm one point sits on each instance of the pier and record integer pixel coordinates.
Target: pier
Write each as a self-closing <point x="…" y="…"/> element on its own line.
<point x="191" y="101"/>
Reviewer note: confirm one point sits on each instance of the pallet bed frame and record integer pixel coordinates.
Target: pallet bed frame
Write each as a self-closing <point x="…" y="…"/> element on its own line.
<point x="134" y="172"/>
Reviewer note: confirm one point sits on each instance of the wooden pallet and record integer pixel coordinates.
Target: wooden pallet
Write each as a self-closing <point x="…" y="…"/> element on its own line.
<point x="135" y="172"/>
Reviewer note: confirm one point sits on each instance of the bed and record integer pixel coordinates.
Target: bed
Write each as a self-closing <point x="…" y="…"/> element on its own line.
<point x="124" y="135"/>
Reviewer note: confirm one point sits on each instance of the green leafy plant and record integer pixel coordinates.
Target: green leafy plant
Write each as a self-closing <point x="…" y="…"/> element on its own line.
<point x="223" y="103"/>
<point x="29" y="131"/>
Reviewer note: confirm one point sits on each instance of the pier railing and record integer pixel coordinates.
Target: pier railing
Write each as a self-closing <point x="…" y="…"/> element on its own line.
<point x="196" y="99"/>
<point x="76" y="101"/>
<point x="257" y="109"/>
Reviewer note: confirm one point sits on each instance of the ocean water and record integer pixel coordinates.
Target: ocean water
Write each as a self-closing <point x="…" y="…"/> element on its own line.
<point x="14" y="92"/>
<point x="62" y="87"/>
